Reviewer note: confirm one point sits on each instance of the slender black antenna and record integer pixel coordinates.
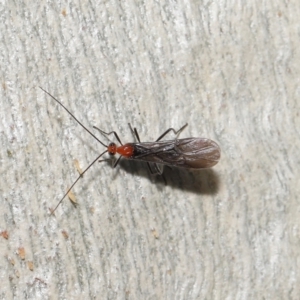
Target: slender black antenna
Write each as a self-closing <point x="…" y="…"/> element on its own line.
<point x="73" y="117"/>
<point x="60" y="201"/>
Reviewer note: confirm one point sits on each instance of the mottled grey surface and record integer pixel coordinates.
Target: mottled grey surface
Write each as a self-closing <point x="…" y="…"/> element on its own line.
<point x="229" y="69"/>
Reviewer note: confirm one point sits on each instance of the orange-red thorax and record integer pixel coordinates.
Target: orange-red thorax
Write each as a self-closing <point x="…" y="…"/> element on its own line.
<point x="125" y="150"/>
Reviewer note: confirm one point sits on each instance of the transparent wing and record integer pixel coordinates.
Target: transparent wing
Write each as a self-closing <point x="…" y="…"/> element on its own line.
<point x="193" y="153"/>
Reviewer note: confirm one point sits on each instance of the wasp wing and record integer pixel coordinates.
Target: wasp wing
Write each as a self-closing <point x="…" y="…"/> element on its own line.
<point x="192" y="153"/>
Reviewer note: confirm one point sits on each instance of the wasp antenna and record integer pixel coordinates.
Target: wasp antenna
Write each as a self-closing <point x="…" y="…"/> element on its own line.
<point x="64" y="196"/>
<point x="73" y="117"/>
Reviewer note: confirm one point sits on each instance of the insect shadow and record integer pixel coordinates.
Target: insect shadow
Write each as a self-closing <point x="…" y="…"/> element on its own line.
<point x="203" y="181"/>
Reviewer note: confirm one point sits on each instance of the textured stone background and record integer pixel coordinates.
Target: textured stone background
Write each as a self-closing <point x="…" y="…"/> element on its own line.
<point x="229" y="69"/>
